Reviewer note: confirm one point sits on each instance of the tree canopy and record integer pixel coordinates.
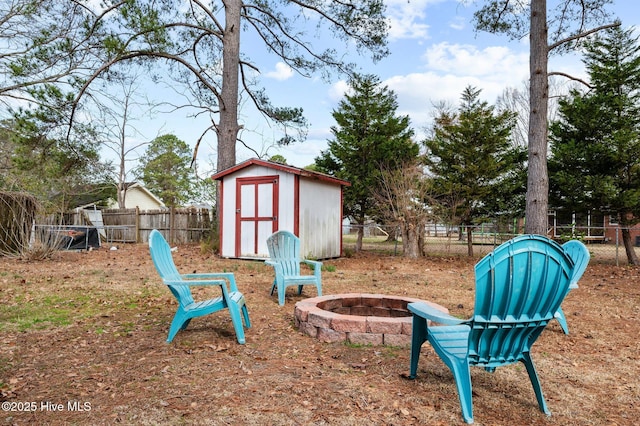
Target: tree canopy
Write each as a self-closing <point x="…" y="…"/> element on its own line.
<point x="595" y="143"/>
<point x="472" y="160"/>
<point x="165" y="170"/>
<point x="61" y="173"/>
<point x="207" y="48"/>
<point x="369" y="137"/>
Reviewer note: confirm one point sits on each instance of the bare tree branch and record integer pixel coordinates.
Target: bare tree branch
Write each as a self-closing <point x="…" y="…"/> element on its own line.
<point x="570" y="77"/>
<point x="582" y="35"/>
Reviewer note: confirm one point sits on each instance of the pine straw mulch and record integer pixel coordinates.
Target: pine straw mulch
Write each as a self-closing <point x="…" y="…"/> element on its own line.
<point x="87" y="330"/>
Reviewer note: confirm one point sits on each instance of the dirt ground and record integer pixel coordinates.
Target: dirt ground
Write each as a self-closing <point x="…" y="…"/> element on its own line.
<point x="82" y="341"/>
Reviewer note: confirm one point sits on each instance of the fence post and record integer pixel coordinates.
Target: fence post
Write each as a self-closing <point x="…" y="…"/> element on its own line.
<point x="137" y="224"/>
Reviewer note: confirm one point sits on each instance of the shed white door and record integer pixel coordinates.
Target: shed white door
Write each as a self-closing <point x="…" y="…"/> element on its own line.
<point x="256" y="214"/>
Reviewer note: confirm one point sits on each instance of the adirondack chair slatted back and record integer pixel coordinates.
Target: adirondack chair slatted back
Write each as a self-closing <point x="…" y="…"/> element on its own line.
<point x="163" y="261"/>
<point x="284" y="248"/>
<point x="519" y="287"/>
<point x="580" y="256"/>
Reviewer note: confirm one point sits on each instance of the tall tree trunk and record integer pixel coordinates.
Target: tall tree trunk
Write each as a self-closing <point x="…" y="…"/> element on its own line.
<point x="227" y="129"/>
<point x="122" y="184"/>
<point x="411" y="240"/>
<point x="359" y="237"/>
<point x="121" y="195"/>
<point x="470" y="240"/>
<point x="628" y="246"/>
<point x="537" y="177"/>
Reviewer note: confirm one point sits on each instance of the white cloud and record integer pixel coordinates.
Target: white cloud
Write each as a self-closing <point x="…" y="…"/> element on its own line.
<point x="320" y="133"/>
<point x="469" y="60"/>
<point x="303" y="154"/>
<point x="337" y="90"/>
<point x="449" y="69"/>
<point x="417" y="92"/>
<point x="281" y="73"/>
<point x="406" y="18"/>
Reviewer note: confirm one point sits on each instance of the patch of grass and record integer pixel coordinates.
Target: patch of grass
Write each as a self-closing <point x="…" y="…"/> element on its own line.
<point x="351" y="345"/>
<point x="390" y="352"/>
<point x="254" y="265"/>
<point x="94" y="272"/>
<point x="210" y="244"/>
<point x="25" y="316"/>
<point x="26" y="310"/>
<point x="233" y="268"/>
<point x="329" y="268"/>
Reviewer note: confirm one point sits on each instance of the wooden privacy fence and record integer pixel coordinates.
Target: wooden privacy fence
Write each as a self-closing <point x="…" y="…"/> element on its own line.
<point x="177" y="225"/>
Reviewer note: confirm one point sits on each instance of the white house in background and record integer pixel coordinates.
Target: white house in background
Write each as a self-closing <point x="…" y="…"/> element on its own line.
<point x="140" y="197"/>
<point x="259" y="197"/>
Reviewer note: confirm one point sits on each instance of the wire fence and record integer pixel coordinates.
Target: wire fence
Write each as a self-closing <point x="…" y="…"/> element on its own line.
<point x="605" y="245"/>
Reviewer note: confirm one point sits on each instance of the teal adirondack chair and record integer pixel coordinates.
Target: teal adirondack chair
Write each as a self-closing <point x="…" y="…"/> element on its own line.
<point x="180" y="285"/>
<point x="519" y="288"/>
<point x="580" y="255"/>
<point x="284" y="256"/>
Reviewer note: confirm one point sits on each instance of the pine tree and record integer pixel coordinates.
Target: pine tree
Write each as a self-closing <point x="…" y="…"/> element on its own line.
<point x="472" y="160"/>
<point x="165" y="170"/>
<point x="595" y="144"/>
<point x="368" y="137"/>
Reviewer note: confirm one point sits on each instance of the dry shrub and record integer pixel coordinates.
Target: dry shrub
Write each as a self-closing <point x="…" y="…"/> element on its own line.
<point x="18" y="213"/>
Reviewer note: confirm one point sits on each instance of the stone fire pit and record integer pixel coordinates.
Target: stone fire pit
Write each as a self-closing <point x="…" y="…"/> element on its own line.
<point x="359" y="318"/>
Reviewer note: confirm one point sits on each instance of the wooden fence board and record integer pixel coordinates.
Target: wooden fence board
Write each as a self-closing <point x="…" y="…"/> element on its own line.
<point x="178" y="225"/>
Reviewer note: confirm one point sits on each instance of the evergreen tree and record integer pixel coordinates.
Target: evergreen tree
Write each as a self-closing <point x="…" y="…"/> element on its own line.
<point x="165" y="170"/>
<point x="557" y="26"/>
<point x="60" y="172"/>
<point x="368" y="137"/>
<point x="473" y="162"/>
<point x="595" y="144"/>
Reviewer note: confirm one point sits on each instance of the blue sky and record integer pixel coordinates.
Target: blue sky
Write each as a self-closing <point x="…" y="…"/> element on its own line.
<point x="435" y="54"/>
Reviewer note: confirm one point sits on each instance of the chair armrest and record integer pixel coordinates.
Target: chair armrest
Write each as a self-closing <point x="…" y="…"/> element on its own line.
<point x="313" y="263"/>
<point x="228" y="276"/>
<point x="191" y="283"/>
<point x="276" y="265"/>
<point x="208" y="275"/>
<point x="317" y="267"/>
<point x="427" y="311"/>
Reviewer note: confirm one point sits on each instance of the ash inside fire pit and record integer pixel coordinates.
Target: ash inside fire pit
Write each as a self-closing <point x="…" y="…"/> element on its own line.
<point x="374" y="319"/>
